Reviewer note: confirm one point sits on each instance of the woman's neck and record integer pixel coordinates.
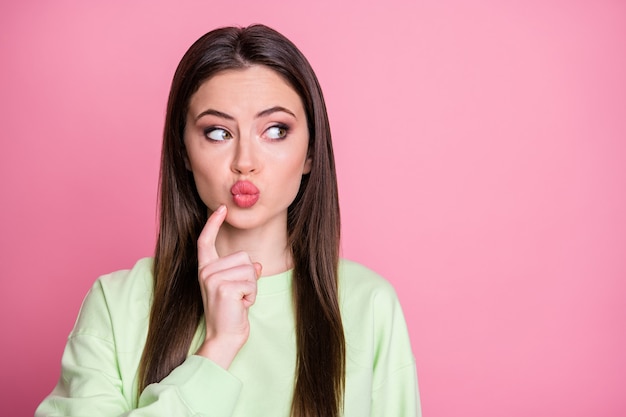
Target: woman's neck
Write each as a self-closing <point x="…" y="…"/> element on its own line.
<point x="266" y="246"/>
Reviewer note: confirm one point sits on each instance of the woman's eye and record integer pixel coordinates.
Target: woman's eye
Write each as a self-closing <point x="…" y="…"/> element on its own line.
<point x="217" y="134"/>
<point x="277" y="132"/>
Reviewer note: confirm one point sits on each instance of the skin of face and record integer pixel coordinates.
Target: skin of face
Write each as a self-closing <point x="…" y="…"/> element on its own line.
<point x="248" y="125"/>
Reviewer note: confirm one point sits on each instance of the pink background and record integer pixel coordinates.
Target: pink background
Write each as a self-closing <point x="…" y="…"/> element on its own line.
<point x="482" y="164"/>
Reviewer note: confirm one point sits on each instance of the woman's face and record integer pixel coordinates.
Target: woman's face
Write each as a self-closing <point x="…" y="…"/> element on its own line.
<point x="247" y="140"/>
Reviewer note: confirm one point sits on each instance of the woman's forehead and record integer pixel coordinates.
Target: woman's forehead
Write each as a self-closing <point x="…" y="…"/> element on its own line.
<point x="252" y="88"/>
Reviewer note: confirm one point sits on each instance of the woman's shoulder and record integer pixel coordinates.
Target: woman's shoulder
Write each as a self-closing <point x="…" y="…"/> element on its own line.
<point x="119" y="296"/>
<point x="372" y="317"/>
<point x="137" y="278"/>
<point x="128" y="289"/>
<point x="357" y="280"/>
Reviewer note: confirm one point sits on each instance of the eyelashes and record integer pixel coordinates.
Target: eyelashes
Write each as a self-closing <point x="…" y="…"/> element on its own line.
<point x="276" y="132"/>
<point x="217" y="134"/>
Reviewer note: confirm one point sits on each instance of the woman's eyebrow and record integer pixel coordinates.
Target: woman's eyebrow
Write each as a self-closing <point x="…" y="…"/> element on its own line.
<point x="262" y="113"/>
<point x="275" y="109"/>
<point x="217" y="113"/>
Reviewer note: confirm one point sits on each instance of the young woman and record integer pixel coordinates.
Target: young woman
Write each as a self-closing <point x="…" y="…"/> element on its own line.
<point x="246" y="308"/>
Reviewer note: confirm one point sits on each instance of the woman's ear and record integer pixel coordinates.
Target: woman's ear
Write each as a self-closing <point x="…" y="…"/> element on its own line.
<point x="186" y="159"/>
<point x="307" y="165"/>
<point x="185" y="153"/>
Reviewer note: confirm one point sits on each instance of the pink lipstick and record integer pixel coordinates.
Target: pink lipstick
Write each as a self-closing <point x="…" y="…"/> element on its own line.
<point x="245" y="194"/>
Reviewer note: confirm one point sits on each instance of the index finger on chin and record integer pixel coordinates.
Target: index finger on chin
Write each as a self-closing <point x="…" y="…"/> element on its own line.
<point x="207" y="252"/>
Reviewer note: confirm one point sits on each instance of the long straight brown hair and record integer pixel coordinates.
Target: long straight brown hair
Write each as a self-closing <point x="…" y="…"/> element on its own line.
<point x="313" y="226"/>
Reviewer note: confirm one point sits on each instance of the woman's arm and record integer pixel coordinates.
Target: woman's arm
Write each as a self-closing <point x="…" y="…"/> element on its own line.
<point x="89" y="387"/>
<point x="99" y="365"/>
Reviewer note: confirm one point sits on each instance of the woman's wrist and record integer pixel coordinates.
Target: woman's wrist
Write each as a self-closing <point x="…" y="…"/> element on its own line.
<point x="220" y="352"/>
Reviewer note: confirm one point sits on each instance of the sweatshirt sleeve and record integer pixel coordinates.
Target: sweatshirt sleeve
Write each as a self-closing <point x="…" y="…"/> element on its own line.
<point x="394" y="391"/>
<point x="92" y="385"/>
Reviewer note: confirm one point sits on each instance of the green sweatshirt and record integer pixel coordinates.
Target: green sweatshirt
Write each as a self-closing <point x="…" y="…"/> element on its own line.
<point x="101" y="358"/>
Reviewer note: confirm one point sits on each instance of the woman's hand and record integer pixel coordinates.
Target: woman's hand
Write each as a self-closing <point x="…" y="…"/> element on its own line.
<point x="229" y="287"/>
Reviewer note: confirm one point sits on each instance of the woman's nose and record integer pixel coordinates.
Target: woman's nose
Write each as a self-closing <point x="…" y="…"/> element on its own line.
<point x="245" y="160"/>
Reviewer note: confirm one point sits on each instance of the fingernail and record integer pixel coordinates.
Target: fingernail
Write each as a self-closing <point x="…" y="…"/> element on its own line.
<point x="221" y="209"/>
